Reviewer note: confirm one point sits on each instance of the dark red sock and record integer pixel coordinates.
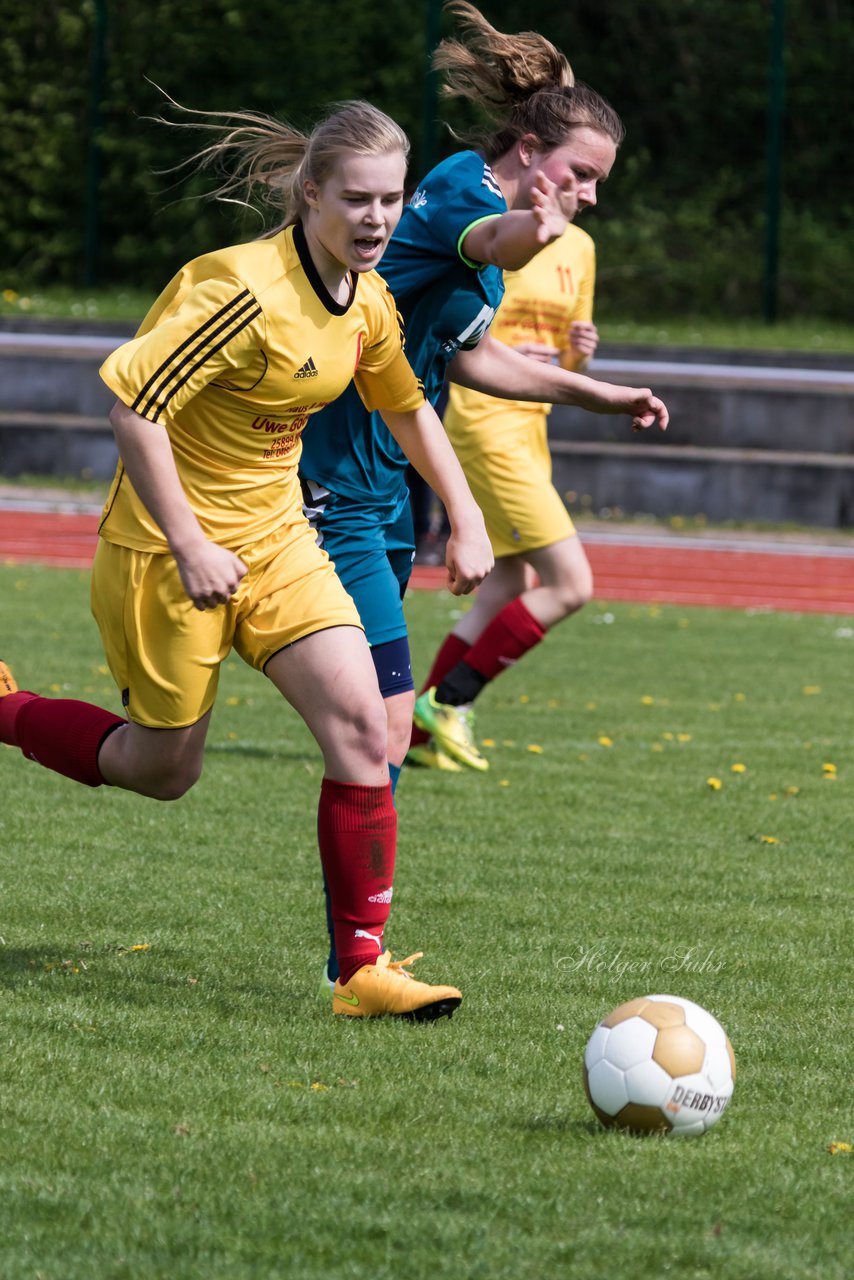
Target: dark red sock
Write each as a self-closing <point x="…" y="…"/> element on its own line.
<point x="59" y="733"/>
<point x="452" y="649"/>
<point x="509" y="636"/>
<point x="357" y="835"/>
<point x="10" y="707"/>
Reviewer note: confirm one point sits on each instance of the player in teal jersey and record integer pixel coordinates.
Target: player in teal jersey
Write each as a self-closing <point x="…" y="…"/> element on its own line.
<point x="475" y="215"/>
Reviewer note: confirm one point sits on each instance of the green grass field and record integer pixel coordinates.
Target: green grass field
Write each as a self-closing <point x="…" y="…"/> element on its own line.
<point x="176" y="1102"/>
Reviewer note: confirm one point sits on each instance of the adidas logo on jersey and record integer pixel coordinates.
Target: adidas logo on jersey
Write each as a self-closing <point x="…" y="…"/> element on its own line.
<point x="309" y="369"/>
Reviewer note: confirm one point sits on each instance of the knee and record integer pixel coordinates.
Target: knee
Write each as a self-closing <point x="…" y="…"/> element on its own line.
<point x="371" y="730"/>
<point x="171" y="782"/>
<point x="575" y="591"/>
<point x="399" y="735"/>
<point x="581" y="595"/>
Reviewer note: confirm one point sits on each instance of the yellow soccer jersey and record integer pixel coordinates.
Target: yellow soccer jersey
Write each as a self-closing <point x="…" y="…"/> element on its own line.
<point x="242" y="346"/>
<point x="539" y="304"/>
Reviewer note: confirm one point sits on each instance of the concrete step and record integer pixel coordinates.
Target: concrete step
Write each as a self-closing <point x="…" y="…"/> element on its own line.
<point x="749" y="440"/>
<point x="57" y="444"/>
<point x="774" y="487"/>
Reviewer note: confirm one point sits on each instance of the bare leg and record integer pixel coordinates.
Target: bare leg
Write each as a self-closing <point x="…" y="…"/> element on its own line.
<point x="399" y="712"/>
<point x="160" y="763"/>
<point x="565" y="585"/>
<point x="329" y="679"/>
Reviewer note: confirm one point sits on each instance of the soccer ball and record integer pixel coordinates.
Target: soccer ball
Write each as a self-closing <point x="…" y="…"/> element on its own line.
<point x="659" y="1064"/>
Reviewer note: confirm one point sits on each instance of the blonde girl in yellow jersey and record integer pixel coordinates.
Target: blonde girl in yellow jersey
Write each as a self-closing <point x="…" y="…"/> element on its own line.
<point x="204" y="546"/>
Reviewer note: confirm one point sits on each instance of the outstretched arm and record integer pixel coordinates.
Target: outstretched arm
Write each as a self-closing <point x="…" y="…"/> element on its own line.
<point x="210" y="573"/>
<point x="515" y="237"/>
<point x="496" y="370"/>
<point x="422" y="438"/>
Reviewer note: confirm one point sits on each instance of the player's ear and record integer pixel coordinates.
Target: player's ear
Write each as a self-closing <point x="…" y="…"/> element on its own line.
<point x="528" y="144"/>
<point x="311" y="195"/>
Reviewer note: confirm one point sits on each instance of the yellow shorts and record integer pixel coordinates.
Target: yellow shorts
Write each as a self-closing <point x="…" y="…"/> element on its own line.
<point x="165" y="655"/>
<point x="511" y="480"/>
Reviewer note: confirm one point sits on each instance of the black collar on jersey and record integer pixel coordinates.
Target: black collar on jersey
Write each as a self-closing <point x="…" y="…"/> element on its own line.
<point x="311" y="271"/>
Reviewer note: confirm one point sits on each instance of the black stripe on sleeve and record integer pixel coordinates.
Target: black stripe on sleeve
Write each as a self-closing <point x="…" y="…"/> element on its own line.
<point x="157" y="409"/>
<point x="194" y="337"/>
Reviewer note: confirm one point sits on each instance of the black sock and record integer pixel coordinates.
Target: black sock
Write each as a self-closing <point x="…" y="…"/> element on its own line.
<point x="460" y="686"/>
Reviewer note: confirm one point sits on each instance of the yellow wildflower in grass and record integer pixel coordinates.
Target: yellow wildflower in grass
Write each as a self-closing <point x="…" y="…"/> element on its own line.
<point x="683" y="737"/>
<point x="604" y="740"/>
<point x="769" y="839"/>
<point x="656" y="746"/>
<point x="319" y="1086"/>
<point x="811" y="690"/>
<point x="713" y="706"/>
<point x="667" y="736"/>
<point x="504" y="782"/>
<point x="714" y="784"/>
<point x="140" y="946"/>
<point x="232" y="702"/>
<point x="10" y="296"/>
<point x="792" y="791"/>
<point x="840" y="1148"/>
<point x="523" y="697"/>
<point x="773" y="795"/>
<point x="508" y="742"/>
<point x="232" y="736"/>
<point x="590" y="706"/>
<point x="647" y="700"/>
<point x="739" y="697"/>
<point x="827" y="767"/>
<point x="738" y="768"/>
<point x="534" y="749"/>
<point x="552" y="703"/>
<point x="487" y="742"/>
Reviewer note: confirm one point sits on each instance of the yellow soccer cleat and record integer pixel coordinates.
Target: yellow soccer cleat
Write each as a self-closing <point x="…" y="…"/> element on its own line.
<point x="452" y="729"/>
<point x="8" y="684"/>
<point x="429" y="755"/>
<point x="385" y="989"/>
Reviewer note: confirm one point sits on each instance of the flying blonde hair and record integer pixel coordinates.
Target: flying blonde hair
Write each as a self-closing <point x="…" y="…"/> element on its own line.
<point x="523" y="83"/>
<point x="264" y="162"/>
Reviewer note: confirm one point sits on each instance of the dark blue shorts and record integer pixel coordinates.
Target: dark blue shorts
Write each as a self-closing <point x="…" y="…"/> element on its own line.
<point x="372" y="548"/>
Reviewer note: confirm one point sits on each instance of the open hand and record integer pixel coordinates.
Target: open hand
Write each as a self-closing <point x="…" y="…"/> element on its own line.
<point x="548" y="206"/>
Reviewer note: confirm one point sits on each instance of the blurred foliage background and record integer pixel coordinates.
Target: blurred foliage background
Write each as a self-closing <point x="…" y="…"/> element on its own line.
<point x="681" y="226"/>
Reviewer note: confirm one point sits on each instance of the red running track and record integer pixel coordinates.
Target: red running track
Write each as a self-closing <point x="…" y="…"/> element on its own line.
<point x="663" y="573"/>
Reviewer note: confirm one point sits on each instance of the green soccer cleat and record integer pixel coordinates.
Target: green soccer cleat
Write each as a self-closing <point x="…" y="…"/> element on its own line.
<point x="385" y="989"/>
<point x="452" y="729"/>
<point x="429" y="755"/>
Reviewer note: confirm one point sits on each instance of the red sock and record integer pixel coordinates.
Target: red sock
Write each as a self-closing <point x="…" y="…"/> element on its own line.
<point x="509" y="636"/>
<point x="59" y="733"/>
<point x="357" y="834"/>
<point x="452" y="649"/>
